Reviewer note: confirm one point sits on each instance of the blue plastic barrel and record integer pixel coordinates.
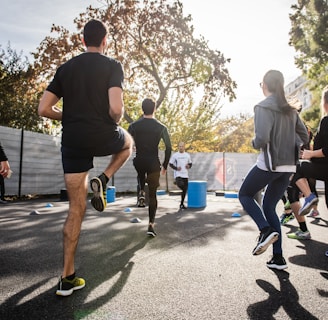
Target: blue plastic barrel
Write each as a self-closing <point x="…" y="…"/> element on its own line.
<point x="110" y="194"/>
<point x="197" y="194"/>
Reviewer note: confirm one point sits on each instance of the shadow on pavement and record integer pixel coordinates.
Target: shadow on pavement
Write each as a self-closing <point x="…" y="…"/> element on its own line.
<point x="286" y="297"/>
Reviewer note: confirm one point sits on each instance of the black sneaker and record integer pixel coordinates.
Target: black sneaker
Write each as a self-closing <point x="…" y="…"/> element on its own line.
<point x="98" y="186"/>
<point x="182" y="206"/>
<point x="141" y="199"/>
<point x="277" y="262"/>
<point x="151" y="232"/>
<point x="266" y="238"/>
<point x="66" y="287"/>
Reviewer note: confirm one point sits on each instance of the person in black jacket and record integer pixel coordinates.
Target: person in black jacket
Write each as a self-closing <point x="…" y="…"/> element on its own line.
<point x="147" y="133"/>
<point x="4" y="172"/>
<point x="316" y="162"/>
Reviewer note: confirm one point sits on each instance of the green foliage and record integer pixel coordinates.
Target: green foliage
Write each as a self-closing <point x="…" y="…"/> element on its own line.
<point x="161" y="57"/>
<point x="309" y="37"/>
<point x="237" y="134"/>
<point x="312" y="117"/>
<point x="18" y="95"/>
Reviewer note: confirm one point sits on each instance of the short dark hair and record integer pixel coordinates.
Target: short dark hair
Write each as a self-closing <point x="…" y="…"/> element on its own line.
<point x="94" y="32"/>
<point x="148" y="106"/>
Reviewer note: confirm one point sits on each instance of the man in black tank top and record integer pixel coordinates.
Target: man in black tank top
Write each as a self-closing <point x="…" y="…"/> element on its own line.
<point x="147" y="133"/>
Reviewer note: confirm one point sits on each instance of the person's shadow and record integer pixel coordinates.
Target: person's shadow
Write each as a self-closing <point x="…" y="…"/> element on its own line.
<point x="108" y="272"/>
<point x="285" y="297"/>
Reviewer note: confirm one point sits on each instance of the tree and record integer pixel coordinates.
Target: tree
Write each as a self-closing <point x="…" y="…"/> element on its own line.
<point x="309" y="37"/>
<point x="237" y="134"/>
<point x="19" y="94"/>
<point x="161" y="56"/>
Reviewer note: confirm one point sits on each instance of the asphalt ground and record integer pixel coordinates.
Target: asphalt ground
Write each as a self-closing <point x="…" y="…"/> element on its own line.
<point x="199" y="266"/>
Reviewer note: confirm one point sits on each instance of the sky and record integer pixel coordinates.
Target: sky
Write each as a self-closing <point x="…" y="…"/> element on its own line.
<point x="253" y="34"/>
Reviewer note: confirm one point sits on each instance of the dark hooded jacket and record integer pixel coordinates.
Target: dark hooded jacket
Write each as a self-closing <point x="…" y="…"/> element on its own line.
<point x="276" y="133"/>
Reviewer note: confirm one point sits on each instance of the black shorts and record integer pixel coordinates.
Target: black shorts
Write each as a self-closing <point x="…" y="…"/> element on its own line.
<point x="81" y="160"/>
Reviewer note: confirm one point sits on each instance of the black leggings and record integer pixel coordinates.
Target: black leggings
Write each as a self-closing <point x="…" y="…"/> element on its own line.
<point x="2" y="187"/>
<point x="148" y="170"/>
<point x="182" y="183"/>
<point x="317" y="171"/>
<point x="293" y="191"/>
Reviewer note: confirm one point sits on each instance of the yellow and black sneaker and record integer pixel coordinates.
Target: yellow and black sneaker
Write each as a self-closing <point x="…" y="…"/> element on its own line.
<point x="98" y="186"/>
<point x="66" y="287"/>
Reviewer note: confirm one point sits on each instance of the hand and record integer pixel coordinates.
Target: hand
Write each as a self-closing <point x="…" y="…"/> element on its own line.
<point x="163" y="172"/>
<point x="178" y="168"/>
<point x="187" y="166"/>
<point x="306" y="154"/>
<point x="4" y="168"/>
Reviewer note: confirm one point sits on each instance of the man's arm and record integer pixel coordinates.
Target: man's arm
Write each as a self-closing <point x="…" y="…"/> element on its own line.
<point x="116" y="105"/>
<point x="168" y="147"/>
<point x="47" y="106"/>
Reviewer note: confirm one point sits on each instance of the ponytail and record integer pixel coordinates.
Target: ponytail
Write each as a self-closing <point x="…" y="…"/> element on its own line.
<point x="274" y="81"/>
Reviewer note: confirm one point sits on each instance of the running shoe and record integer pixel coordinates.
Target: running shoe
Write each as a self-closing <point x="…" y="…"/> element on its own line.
<point x="98" y="186"/>
<point x="286" y="217"/>
<point x="141" y="199"/>
<point x="151" y="232"/>
<point x="277" y="262"/>
<point x="300" y="235"/>
<point x="182" y="207"/>
<point x="266" y="237"/>
<point x="314" y="214"/>
<point x="66" y="287"/>
<point x="287" y="205"/>
<point x="309" y="202"/>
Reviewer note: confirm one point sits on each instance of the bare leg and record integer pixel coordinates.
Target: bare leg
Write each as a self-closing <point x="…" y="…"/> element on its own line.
<point x="303" y="185"/>
<point x="76" y="185"/>
<point x="119" y="159"/>
<point x="295" y="208"/>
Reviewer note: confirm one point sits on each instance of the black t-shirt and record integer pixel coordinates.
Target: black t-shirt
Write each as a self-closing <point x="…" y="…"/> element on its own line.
<point x="147" y="134"/>
<point x="83" y="83"/>
<point x="321" y="141"/>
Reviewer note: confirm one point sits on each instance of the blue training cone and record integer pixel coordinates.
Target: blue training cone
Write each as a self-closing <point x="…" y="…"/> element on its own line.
<point x="236" y="215"/>
<point x="127" y="210"/>
<point x="49" y="205"/>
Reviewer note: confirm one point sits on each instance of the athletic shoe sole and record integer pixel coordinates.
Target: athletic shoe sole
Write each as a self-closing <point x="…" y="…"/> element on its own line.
<point x="65" y="293"/>
<point x="286" y="220"/>
<point x="307" y="208"/>
<point x="277" y="266"/>
<point x="261" y="247"/>
<point x="141" y="202"/>
<point x="292" y="236"/>
<point x="98" y="200"/>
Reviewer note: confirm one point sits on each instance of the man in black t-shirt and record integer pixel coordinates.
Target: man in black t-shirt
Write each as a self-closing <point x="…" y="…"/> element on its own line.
<point x="91" y="86"/>
<point x="147" y="133"/>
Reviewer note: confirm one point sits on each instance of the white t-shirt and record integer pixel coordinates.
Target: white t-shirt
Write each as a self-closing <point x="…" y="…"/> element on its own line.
<point x="179" y="159"/>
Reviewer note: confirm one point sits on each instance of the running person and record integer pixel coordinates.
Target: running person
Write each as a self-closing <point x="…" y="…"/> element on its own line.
<point x="180" y="162"/>
<point x="147" y="133"/>
<point x="91" y="87"/>
<point x="276" y="126"/>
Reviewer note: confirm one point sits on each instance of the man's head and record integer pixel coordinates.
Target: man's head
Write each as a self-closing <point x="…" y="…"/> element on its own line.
<point x="148" y="107"/>
<point x="94" y="32"/>
<point x="181" y="147"/>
